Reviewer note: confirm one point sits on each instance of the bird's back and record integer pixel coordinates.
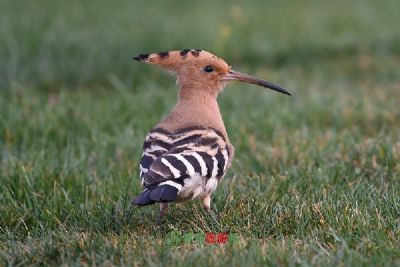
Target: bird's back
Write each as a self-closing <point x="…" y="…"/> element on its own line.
<point x="186" y="163"/>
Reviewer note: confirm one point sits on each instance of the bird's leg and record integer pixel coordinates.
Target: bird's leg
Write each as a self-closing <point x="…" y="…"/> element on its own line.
<point x="207" y="203"/>
<point x="163" y="210"/>
<point x="207" y="206"/>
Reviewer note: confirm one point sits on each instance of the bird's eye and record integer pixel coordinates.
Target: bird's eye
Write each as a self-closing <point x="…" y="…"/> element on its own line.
<point x="208" y="68"/>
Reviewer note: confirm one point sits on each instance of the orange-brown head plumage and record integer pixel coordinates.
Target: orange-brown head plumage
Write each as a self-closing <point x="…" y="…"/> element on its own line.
<point x="194" y="68"/>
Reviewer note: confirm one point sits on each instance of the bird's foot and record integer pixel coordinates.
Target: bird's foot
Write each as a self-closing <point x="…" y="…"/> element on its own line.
<point x="159" y="219"/>
<point x="207" y="207"/>
<point x="163" y="210"/>
<point x="212" y="213"/>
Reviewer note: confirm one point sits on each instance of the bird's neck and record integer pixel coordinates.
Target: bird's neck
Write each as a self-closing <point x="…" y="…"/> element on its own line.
<point x="194" y="108"/>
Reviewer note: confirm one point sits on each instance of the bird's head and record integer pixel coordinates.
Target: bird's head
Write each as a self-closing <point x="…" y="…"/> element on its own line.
<point x="200" y="70"/>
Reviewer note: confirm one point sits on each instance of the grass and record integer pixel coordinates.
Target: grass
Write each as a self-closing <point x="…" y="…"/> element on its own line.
<point x="315" y="180"/>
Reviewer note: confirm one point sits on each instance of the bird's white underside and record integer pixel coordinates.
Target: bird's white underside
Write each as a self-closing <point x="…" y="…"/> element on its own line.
<point x="197" y="186"/>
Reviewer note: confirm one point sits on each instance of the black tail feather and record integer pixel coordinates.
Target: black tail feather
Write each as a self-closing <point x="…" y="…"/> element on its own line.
<point x="162" y="193"/>
<point x="143" y="199"/>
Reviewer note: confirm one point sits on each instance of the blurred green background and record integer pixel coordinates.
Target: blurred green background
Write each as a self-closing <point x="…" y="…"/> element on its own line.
<point x="58" y="44"/>
<point x="315" y="180"/>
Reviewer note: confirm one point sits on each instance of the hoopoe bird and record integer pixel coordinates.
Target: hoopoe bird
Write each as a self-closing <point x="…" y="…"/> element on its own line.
<point x="188" y="152"/>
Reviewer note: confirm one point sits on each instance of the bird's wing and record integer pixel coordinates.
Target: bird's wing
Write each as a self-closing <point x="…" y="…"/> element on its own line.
<point x="156" y="144"/>
<point x="199" y="151"/>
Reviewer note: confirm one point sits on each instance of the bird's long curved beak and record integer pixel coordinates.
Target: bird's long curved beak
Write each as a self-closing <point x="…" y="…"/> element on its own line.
<point x="238" y="76"/>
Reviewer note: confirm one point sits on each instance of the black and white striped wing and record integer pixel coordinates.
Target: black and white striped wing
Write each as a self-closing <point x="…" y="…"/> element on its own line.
<point x="156" y="144"/>
<point x="169" y="159"/>
<point x="197" y="152"/>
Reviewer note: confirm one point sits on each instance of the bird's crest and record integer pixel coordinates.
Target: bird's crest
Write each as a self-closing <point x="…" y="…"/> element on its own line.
<point x="173" y="59"/>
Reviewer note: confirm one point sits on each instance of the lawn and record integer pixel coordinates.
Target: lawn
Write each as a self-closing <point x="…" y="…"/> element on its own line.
<point x="316" y="176"/>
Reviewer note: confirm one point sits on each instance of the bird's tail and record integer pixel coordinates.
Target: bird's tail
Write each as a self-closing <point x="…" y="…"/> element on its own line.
<point x="164" y="192"/>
